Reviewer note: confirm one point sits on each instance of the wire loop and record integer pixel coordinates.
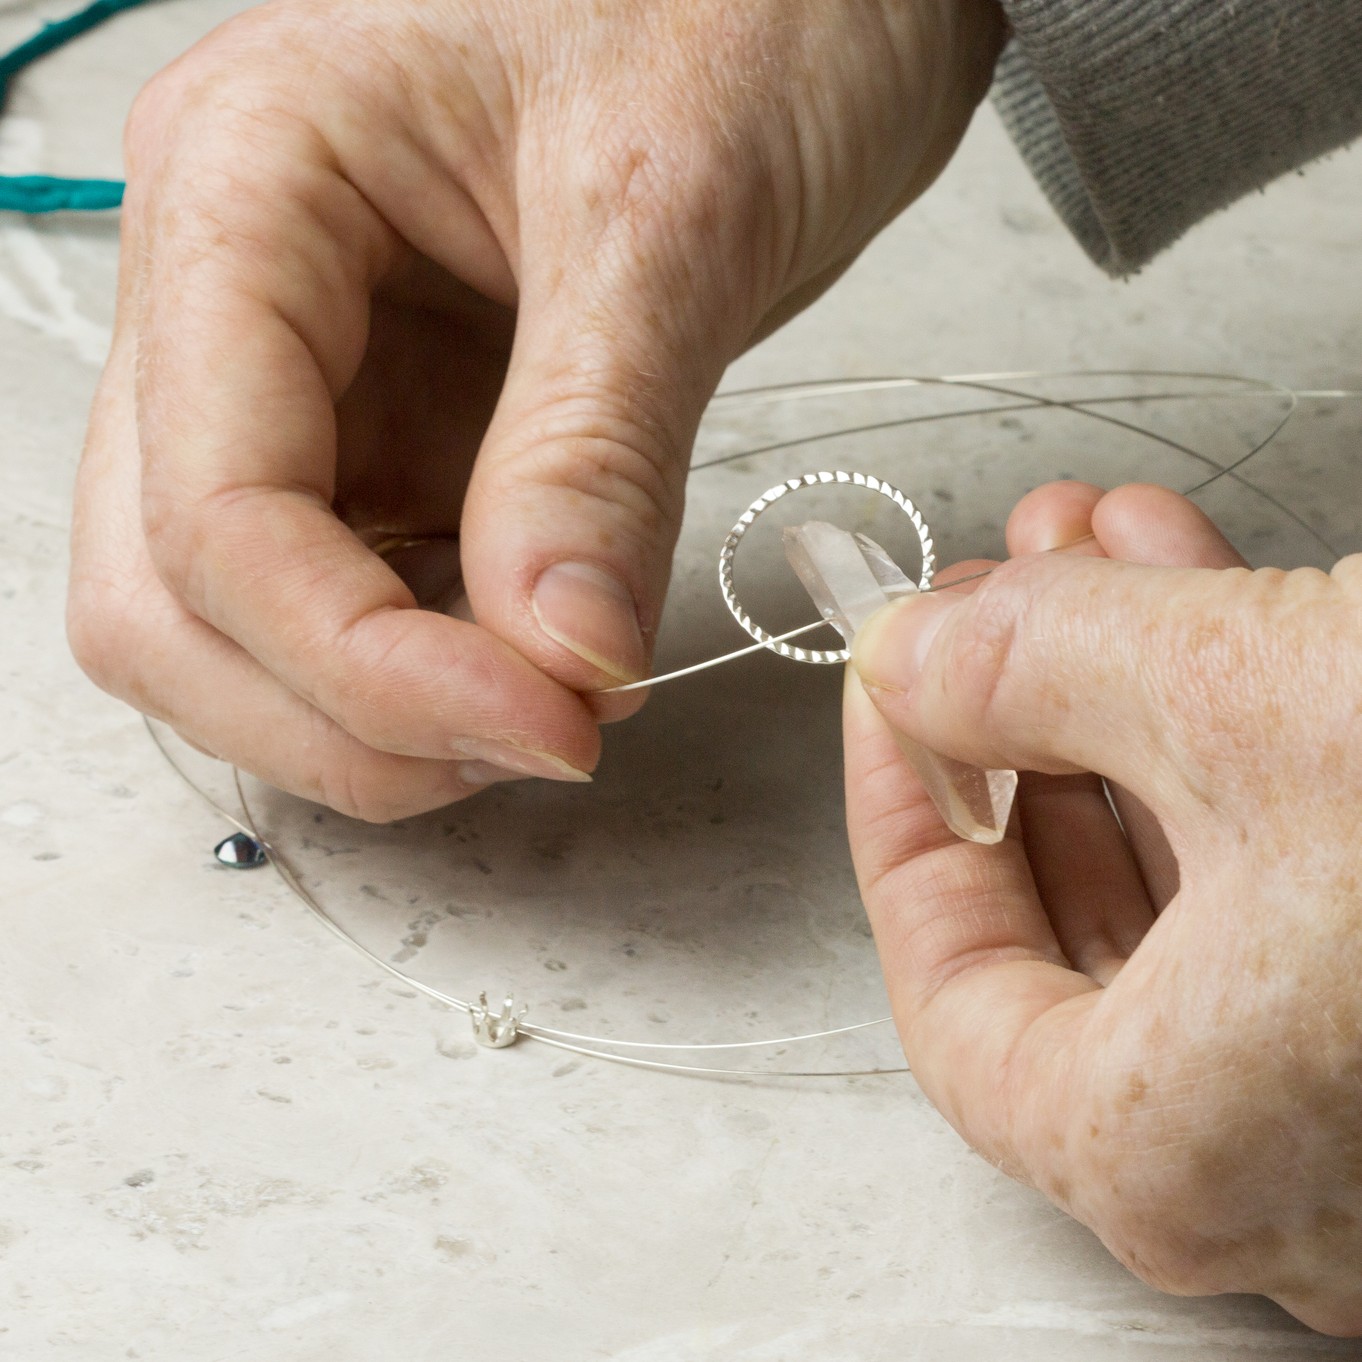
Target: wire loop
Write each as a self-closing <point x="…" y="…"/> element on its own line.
<point x="728" y="553"/>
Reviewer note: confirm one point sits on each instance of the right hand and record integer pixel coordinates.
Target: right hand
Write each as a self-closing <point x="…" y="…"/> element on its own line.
<point x="1156" y="1020"/>
<point x="401" y="268"/>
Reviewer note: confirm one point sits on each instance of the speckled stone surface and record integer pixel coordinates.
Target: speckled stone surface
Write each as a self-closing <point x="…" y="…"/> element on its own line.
<point x="223" y="1135"/>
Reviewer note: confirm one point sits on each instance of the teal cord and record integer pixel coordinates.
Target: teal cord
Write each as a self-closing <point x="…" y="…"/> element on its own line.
<point x="45" y="193"/>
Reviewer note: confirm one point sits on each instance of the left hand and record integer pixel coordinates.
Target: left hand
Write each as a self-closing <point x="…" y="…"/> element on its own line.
<point x="398" y="268"/>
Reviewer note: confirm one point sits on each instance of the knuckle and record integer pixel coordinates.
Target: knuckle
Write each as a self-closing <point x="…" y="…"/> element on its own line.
<point x="152" y="119"/>
<point x="1167" y="1186"/>
<point x="1153" y="1222"/>
<point x="1336" y="1312"/>
<point x="378" y="685"/>
<point x="1244" y="658"/>
<point x="1216" y="644"/>
<point x="203" y="114"/>
<point x="614" y="474"/>
<point x="349" y="794"/>
<point x="371" y="787"/>
<point x="176" y="535"/>
<point x="1168" y="1244"/>
<point x="1160" y="1254"/>
<point x="602" y="471"/>
<point x="986" y="657"/>
<point x="91" y="634"/>
<point x="645" y="194"/>
<point x="1347" y="573"/>
<point x="633" y="179"/>
<point x="193" y="81"/>
<point x="103" y="623"/>
<point x="368" y="689"/>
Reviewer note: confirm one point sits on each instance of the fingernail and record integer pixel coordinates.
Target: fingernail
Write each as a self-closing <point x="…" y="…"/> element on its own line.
<point x="524" y="761"/>
<point x="476" y="774"/>
<point x="593" y="614"/>
<point x="892" y="645"/>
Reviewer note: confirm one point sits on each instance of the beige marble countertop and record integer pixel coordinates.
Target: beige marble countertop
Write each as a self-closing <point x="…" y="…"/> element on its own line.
<point x="222" y="1135"/>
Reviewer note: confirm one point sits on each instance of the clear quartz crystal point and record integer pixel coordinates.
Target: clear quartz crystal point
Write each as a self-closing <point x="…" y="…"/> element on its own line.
<point x="850" y="577"/>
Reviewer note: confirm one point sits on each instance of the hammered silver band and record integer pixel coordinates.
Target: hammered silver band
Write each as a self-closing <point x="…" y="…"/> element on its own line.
<point x="767" y="499"/>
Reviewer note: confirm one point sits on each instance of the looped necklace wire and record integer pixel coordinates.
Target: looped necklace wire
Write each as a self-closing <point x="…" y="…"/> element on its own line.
<point x="38" y="194"/>
<point x="501" y="1028"/>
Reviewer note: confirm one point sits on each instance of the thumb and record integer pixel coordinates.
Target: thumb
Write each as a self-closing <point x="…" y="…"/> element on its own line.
<point x="577" y="495"/>
<point x="1058" y="663"/>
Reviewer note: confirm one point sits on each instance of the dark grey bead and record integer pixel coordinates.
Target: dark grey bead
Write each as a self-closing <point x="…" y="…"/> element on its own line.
<point x="240" y="851"/>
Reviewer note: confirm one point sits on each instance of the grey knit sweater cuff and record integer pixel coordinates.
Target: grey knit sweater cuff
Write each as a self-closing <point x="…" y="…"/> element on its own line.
<point x="1140" y="117"/>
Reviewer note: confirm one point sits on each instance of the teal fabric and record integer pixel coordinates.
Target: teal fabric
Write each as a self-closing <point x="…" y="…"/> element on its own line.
<point x="45" y="193"/>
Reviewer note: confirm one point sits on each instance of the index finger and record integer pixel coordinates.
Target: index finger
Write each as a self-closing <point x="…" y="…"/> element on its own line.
<point x="985" y="1002"/>
<point x="253" y="320"/>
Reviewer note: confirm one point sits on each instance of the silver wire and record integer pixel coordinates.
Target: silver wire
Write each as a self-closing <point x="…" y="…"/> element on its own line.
<point x="1030" y="402"/>
<point x="600" y="1047"/>
<point x="769" y="646"/>
<point x="596" y="1047"/>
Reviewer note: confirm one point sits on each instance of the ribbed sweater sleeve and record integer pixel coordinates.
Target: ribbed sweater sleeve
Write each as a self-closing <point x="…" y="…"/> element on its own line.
<point x="1140" y="117"/>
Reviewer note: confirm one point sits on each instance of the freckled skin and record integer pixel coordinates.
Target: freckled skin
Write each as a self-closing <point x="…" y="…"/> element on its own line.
<point x="1195" y="1098"/>
<point x="478" y="267"/>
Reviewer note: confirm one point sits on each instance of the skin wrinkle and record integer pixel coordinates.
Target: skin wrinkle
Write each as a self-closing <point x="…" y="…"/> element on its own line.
<point x="641" y="240"/>
<point x="1033" y="1079"/>
<point x="606" y="459"/>
<point x="1202" y="1112"/>
<point x="1216" y="1163"/>
<point x="253" y="511"/>
<point x="651" y="186"/>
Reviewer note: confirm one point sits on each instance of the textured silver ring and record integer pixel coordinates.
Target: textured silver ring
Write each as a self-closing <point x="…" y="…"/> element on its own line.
<point x="769" y="498"/>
